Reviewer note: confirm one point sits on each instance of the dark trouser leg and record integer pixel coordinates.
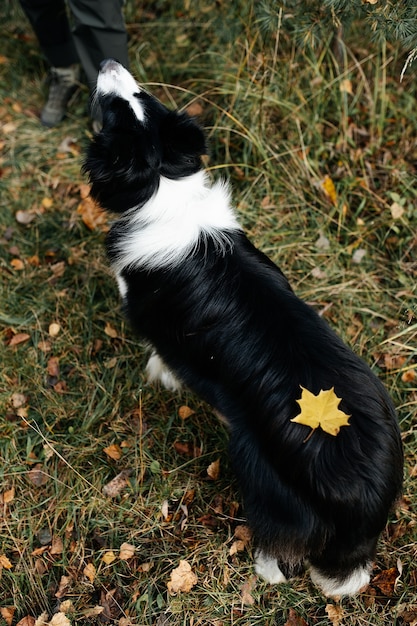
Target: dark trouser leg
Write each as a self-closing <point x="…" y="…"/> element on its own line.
<point x="99" y="33"/>
<point x="50" y="24"/>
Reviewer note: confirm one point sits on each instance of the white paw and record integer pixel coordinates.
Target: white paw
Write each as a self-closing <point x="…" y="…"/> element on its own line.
<point x="267" y="567"/>
<point x="157" y="371"/>
<point x="333" y="587"/>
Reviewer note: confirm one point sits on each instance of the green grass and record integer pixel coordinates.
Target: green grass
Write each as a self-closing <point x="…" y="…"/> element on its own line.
<point x="278" y="123"/>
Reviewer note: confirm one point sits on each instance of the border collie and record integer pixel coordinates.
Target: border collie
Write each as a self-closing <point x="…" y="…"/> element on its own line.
<point x="223" y="320"/>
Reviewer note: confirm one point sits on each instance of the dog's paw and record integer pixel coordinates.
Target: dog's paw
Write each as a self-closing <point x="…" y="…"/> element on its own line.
<point x="335" y="587"/>
<point x="267" y="568"/>
<point x="158" y="372"/>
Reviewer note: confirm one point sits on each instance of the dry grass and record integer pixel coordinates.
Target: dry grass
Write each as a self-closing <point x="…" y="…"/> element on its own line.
<point x="279" y="120"/>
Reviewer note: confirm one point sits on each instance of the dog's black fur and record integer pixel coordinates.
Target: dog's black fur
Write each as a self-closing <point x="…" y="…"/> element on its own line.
<point x="231" y="328"/>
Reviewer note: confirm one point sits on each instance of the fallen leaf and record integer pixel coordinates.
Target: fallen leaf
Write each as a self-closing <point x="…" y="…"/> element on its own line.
<point x="54" y="329"/>
<point x="409" y="376"/>
<point x="371" y="1"/>
<point x="194" y="109"/>
<point x="335" y="613"/>
<point x="44" y="346"/>
<point x="4" y="562"/>
<point x="385" y="581"/>
<point x="113" y="451"/>
<point x="187" y="449"/>
<point x="57" y="546"/>
<point x="92" y="214"/>
<point x="237" y="546"/>
<point x="7" y="613"/>
<point x="184" y="412"/>
<point x="28" y="620"/>
<point x="327" y="185"/>
<point x="38" y="476"/>
<point x="110" y="331"/>
<point x="42" y="620"/>
<point x="246" y="591"/>
<point x="294" y="619"/>
<point x="397" y="210"/>
<point x="64" y="587"/>
<point x="59" y="619"/>
<point x="7" y="496"/>
<point x="69" y="145"/>
<point x="18" y="339"/>
<point x="108" y="557"/>
<point x="89" y="572"/>
<point x="213" y="470"/>
<point x="322" y="242"/>
<point x="52" y="366"/>
<point x="47" y="203"/>
<point x="321" y="410"/>
<point x="96" y="610"/>
<point x="183" y="579"/>
<point x="358" y="255"/>
<point x="18" y="400"/>
<point x="346" y="86"/>
<point x="117" y="484"/>
<point x="25" y="217"/>
<point x="127" y="551"/>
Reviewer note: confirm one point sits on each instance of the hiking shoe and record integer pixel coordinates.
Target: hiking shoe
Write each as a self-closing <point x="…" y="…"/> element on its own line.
<point x="63" y="82"/>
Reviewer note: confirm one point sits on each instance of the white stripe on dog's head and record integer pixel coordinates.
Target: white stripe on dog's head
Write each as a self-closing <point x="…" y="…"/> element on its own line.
<point x="114" y="79"/>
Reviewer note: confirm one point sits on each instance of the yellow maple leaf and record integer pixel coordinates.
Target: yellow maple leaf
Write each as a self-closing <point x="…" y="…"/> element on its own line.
<point x="321" y="410"/>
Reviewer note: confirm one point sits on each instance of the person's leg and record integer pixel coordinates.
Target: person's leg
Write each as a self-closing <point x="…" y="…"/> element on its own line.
<point x="50" y="23"/>
<point x="99" y="33"/>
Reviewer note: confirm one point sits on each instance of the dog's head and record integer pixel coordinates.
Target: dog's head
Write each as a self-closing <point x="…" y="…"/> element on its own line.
<point x="141" y="140"/>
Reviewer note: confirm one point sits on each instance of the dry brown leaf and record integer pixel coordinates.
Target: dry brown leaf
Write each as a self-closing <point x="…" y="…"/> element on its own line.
<point x="92" y="215"/>
<point x="54" y="329"/>
<point x="346" y="86"/>
<point x="7" y="496"/>
<point x="57" y="546"/>
<point x="44" y="346"/>
<point x="110" y="331"/>
<point x="96" y="610"/>
<point x="294" y="619"/>
<point x="183" y="579"/>
<point x="397" y="210"/>
<point x="25" y="217"/>
<point x="38" y="476"/>
<point x="194" y="109"/>
<point x="59" y="619"/>
<point x="335" y="613"/>
<point x="246" y="591"/>
<point x="108" y="557"/>
<point x="28" y="620"/>
<point x="243" y="533"/>
<point x="184" y="412"/>
<point x="42" y="620"/>
<point x="213" y="470"/>
<point x="237" y="546"/>
<point x="19" y="338"/>
<point x="52" y="366"/>
<point x="327" y="185"/>
<point x="4" y="562"/>
<point x="114" y="451"/>
<point x="47" y="202"/>
<point x="7" y="613"/>
<point x="64" y="587"/>
<point x="127" y="551"/>
<point x="18" y="400"/>
<point x="385" y="581"/>
<point x="66" y="606"/>
<point x="89" y="572"/>
<point x="117" y="484"/>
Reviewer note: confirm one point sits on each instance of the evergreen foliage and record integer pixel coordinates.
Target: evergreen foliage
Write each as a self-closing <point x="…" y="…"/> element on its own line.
<point x="311" y="20"/>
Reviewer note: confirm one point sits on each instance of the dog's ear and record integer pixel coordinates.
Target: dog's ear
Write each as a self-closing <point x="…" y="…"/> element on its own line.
<point x="183" y="144"/>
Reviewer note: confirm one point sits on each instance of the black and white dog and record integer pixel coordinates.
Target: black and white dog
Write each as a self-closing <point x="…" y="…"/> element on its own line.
<point x="224" y="321"/>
